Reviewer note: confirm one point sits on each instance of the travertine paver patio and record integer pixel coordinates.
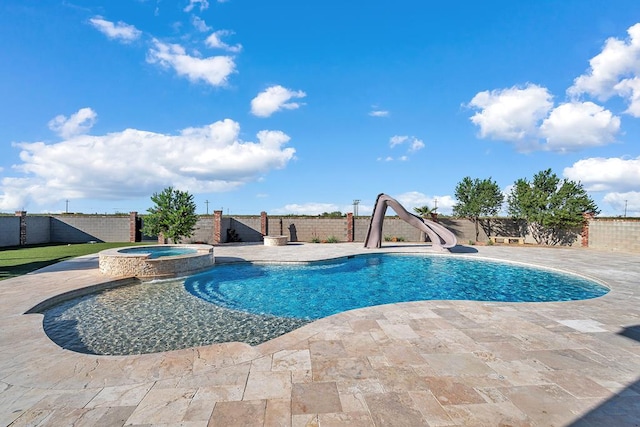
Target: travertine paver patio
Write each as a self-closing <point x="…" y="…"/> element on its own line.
<point x="432" y="363"/>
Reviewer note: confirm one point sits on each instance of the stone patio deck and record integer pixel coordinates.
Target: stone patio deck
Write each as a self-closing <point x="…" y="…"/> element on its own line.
<point x="430" y="363"/>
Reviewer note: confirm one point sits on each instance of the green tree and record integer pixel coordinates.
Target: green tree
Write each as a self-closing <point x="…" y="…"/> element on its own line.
<point x="334" y="214"/>
<point x="424" y="211"/>
<point x="173" y="215"/>
<point x="477" y="198"/>
<point x="552" y="207"/>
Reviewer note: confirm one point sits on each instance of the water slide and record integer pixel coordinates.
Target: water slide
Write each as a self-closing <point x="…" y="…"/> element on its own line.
<point x="440" y="236"/>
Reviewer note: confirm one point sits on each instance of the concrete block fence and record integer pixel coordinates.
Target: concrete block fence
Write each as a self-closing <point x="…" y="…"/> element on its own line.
<point x="614" y="234"/>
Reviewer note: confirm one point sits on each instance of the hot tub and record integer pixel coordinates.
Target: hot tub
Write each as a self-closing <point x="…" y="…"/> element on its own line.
<point x="156" y="261"/>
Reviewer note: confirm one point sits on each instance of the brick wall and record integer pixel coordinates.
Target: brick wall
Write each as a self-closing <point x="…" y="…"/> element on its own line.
<point x="615" y="234"/>
<point x="203" y="232"/>
<point x="9" y="231"/>
<point x="305" y="229"/>
<point x="38" y="229"/>
<point x="85" y="228"/>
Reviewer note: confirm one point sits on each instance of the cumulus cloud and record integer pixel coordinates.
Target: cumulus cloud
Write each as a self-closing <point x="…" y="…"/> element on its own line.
<point x="630" y="89"/>
<point x="134" y="163"/>
<point x="379" y="113"/>
<point x="213" y="70"/>
<point x="199" y="24"/>
<point x="202" y="4"/>
<point x="578" y="125"/>
<point x="118" y="31"/>
<point x="606" y="174"/>
<point x="511" y="114"/>
<point x="397" y="140"/>
<point x="306" y="208"/>
<point x="414" y="144"/>
<point x="624" y="203"/>
<point x="415" y="199"/>
<point x="528" y="118"/>
<point x="215" y="42"/>
<point x="618" y="61"/>
<point x="275" y="98"/>
<point x="77" y="124"/>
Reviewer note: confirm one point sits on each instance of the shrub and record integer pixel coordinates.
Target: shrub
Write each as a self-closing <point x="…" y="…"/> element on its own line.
<point x="332" y="239"/>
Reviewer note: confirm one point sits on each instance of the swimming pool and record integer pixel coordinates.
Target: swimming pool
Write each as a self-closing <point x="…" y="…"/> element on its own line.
<point x="254" y="303"/>
<point x="322" y="289"/>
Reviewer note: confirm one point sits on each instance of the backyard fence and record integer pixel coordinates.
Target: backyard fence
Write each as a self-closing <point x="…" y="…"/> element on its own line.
<point x="614" y="234"/>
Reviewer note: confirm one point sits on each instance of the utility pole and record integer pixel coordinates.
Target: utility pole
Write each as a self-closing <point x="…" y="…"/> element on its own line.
<point x="66" y="209"/>
<point x="206" y="202"/>
<point x="356" y="202"/>
<point x="625" y="208"/>
<point x="435" y="202"/>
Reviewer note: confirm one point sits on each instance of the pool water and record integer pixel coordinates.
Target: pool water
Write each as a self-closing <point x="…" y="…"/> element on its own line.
<point x="319" y="290"/>
<point x="254" y="303"/>
<point x="159" y="252"/>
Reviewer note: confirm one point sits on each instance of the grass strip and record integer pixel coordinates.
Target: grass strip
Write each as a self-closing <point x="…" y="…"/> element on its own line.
<point x="18" y="260"/>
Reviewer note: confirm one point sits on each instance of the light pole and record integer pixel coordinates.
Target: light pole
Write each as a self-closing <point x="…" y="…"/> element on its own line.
<point x="356" y="202"/>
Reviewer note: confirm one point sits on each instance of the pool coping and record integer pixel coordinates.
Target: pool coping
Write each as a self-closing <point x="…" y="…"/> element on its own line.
<point x="38" y="379"/>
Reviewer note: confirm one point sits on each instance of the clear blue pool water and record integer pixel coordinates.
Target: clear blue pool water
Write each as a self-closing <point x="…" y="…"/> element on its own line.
<point x="318" y="290"/>
<point x="159" y="252"/>
<point x="254" y="303"/>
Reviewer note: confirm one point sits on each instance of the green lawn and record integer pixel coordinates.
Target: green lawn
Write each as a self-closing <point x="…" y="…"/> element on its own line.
<point x="16" y="261"/>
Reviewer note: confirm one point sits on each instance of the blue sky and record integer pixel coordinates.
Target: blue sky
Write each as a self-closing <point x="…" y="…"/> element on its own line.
<point x="297" y="107"/>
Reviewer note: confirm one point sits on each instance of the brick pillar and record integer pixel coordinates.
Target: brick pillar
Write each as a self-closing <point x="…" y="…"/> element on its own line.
<point x="217" y="227"/>
<point x="350" y="228"/>
<point x="133" y="221"/>
<point x="264" y="224"/>
<point x="588" y="216"/>
<point x="23" y="227"/>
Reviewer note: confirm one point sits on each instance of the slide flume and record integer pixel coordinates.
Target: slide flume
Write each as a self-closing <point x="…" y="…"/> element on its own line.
<point x="440" y="236"/>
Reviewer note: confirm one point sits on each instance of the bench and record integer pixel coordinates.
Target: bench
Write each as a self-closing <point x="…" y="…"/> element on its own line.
<point x="507" y="240"/>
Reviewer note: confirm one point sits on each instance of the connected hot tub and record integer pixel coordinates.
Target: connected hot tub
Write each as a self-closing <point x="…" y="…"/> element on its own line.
<point x="156" y="261"/>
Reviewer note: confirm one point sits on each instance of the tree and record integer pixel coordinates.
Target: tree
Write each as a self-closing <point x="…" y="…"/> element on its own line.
<point x="424" y="211"/>
<point x="552" y="207"/>
<point x="173" y="215"/>
<point x="477" y="198"/>
<point x="334" y="214"/>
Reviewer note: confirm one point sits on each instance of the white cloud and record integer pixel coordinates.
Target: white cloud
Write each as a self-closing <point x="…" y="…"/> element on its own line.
<point x="630" y="89"/>
<point x="134" y="163"/>
<point x="214" y="41"/>
<point x="618" y="61"/>
<point x="379" y="113"/>
<point x="414" y="144"/>
<point x="397" y="140"/>
<point x="199" y="24"/>
<point x="511" y="114"/>
<point x="606" y="174"/>
<point x="275" y="98"/>
<point x="578" y="125"/>
<point x="77" y="124"/>
<point x="203" y="4"/>
<point x="624" y="203"/>
<point x="213" y="70"/>
<point x="118" y="31"/>
<point x="306" y="209"/>
<point x="415" y="199"/>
